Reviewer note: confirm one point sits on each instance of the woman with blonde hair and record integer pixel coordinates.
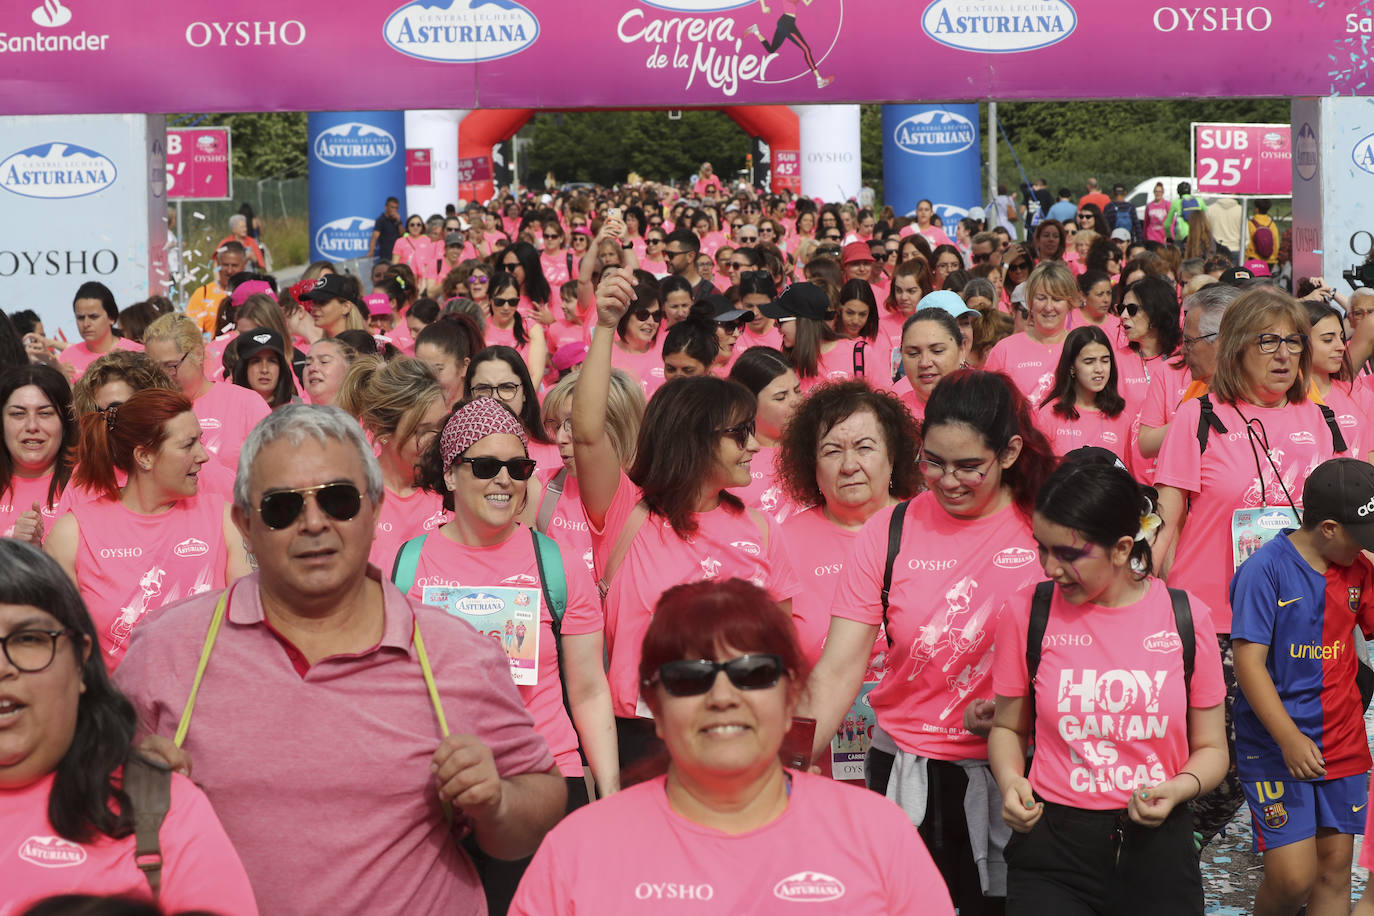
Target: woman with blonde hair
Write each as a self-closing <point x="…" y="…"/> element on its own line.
<point x="401" y="406"/>
<point x="1030" y="357"/>
<point x="227" y="413"/>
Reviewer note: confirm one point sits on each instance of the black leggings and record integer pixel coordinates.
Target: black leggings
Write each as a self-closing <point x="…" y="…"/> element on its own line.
<point x="500" y="877"/>
<point x="1076" y="862"/>
<point x="787" y="31"/>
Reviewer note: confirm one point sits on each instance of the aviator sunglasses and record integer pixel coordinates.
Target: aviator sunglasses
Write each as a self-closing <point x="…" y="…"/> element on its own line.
<point x="692" y="677"/>
<point x="280" y="508"/>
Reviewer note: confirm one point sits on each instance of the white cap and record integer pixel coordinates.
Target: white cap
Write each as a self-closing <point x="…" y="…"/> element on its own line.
<point x="1019" y="294"/>
<point x="977" y="213"/>
<point x="1121" y="235"/>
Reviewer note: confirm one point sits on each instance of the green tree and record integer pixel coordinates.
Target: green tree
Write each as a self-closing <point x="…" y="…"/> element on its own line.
<point x="266" y="144"/>
<point x="605" y="146"/>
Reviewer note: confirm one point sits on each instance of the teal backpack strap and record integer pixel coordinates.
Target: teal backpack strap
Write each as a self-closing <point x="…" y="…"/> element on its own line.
<point x="553" y="580"/>
<point x="551" y="577"/>
<point x="407" y="561"/>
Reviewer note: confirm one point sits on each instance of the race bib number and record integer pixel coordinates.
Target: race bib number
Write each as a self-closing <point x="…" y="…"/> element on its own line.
<point x="508" y="615"/>
<point x="1251" y="529"/>
<point x="850" y="745"/>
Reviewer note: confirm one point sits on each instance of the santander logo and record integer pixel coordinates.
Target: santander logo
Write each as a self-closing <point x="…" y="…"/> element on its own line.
<point x="191" y="547"/>
<point x="808" y="887"/>
<point x="51" y="852"/>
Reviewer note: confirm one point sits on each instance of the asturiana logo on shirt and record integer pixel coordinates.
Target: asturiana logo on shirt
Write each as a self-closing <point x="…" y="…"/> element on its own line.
<point x="51" y="852"/>
<point x="51" y="171"/>
<point x="1165" y="641"/>
<point x="999" y="26"/>
<point x="1302" y="437"/>
<point x="808" y="887"/>
<point x="1013" y="557"/>
<point x="354" y="145"/>
<point x="191" y="547"/>
<point x="748" y="547"/>
<point x="935" y="133"/>
<point x="461" y="31"/>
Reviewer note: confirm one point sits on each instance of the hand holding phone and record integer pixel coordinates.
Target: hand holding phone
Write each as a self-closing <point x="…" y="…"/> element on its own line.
<point x="797" y="743"/>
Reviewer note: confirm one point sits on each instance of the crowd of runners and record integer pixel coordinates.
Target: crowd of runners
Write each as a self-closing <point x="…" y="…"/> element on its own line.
<point x="703" y="549"/>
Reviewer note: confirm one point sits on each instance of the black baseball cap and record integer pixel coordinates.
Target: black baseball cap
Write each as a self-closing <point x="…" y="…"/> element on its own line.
<point x="257" y="340"/>
<point x="330" y="286"/>
<point x="1342" y="490"/>
<point x="723" y="309"/>
<point x="800" y="300"/>
<point x="1235" y="276"/>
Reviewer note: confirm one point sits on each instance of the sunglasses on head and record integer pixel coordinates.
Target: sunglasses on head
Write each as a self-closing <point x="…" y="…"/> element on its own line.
<point x="692" y="677"/>
<point x="485" y="467"/>
<point x="740" y="432"/>
<point x="280" y="508"/>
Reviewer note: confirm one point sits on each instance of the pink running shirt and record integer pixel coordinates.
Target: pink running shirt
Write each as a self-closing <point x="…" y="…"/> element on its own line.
<point x="23" y="493"/>
<point x="1029" y="364"/>
<point x="834" y="849"/>
<point x="79" y="356"/>
<point x="129" y="565"/>
<point x="402" y="518"/>
<point x="568" y="526"/>
<point x="726" y="544"/>
<point x="1092" y="427"/>
<point x="948" y="586"/>
<point x="765" y="492"/>
<point x="200" y="869"/>
<point x="445" y="562"/>
<point x="1111" y="706"/>
<point x="819" y="550"/>
<point x="227" y="414"/>
<point x="1223" y="480"/>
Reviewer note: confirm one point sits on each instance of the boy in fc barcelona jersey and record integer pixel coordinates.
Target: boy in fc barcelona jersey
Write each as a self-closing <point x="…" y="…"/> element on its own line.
<point x="1301" y="750"/>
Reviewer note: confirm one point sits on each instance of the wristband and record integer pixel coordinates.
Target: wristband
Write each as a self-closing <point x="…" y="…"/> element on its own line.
<point x="1195" y="779"/>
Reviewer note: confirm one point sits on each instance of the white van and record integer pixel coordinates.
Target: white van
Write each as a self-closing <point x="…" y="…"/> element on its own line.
<point x="1144" y="192"/>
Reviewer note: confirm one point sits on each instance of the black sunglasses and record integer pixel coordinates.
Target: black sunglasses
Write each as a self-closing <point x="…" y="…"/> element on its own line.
<point x="280" y="508"/>
<point x="498" y="300"/>
<point x="1129" y="309"/>
<point x="1085" y="216"/>
<point x="741" y="432"/>
<point x="643" y="314"/>
<point x="692" y="677"/>
<point x="486" y="467"/>
<point x="1019" y="265"/>
<point x="980" y="257"/>
<point x="734" y="324"/>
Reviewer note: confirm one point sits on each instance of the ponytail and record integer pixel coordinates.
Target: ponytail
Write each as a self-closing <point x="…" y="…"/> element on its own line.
<point x="109" y="437"/>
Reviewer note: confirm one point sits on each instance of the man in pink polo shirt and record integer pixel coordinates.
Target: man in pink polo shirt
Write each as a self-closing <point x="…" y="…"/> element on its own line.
<point x="314" y="734"/>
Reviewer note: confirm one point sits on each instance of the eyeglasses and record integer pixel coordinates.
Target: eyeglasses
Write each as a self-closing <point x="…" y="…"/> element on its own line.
<point x="1269" y="343"/>
<point x="748" y="238"/>
<point x="1129" y="309"/>
<point x="555" y="427"/>
<point x="646" y="314"/>
<point x="416" y="223"/>
<point x="478" y="279"/>
<point x="969" y="477"/>
<point x="741" y="433"/>
<point x="767" y="229"/>
<point x="653" y="241"/>
<point x="681" y="251"/>
<point x="341" y="501"/>
<point x="171" y="368"/>
<point x="832" y="236"/>
<point x="980" y="257"/>
<point x="485" y="467"/>
<point x="506" y="391"/>
<point x="552" y="236"/>
<point x="1085" y="216"/>
<point x="504" y="302"/>
<point x="32" y="650"/>
<point x="692" y="677"/>
<point x="1190" y="341"/>
<point x="1019" y="265"/>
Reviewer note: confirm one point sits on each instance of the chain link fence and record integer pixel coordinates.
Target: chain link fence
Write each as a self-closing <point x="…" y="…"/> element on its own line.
<point x="280" y="205"/>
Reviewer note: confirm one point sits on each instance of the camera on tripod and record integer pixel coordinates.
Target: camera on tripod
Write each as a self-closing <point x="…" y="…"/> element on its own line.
<point x="1360" y="276"/>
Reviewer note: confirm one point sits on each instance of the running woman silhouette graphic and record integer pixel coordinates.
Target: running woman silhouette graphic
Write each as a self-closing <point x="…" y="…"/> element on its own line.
<point x="786" y="30"/>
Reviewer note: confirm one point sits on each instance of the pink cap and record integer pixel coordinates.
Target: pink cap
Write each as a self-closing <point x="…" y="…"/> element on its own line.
<point x="1258" y="268"/>
<point x="377" y="304"/>
<point x="248" y="288"/>
<point x="855" y="252"/>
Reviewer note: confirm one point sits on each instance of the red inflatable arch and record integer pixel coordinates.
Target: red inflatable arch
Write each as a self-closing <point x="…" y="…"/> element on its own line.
<point x="482" y="129"/>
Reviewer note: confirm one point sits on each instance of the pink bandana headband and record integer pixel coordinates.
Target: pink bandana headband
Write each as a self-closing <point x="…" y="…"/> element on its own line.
<point x="476" y="420"/>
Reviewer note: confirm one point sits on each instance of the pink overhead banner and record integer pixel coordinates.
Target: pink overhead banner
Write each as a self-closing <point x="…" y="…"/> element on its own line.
<point x="1243" y="159"/>
<point x="80" y="56"/>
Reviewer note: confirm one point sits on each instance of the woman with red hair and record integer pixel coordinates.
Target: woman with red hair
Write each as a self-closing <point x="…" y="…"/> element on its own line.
<point x="155" y="540"/>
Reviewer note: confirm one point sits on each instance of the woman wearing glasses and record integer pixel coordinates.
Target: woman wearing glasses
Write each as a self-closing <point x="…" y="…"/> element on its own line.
<point x="1152" y="339"/>
<point x="521" y="261"/>
<point x="499" y="372"/>
<point x="480" y="467"/>
<point x="1019" y="261"/>
<point x="556" y="261"/>
<point x="66" y="816"/>
<point x="721" y="672"/>
<point x="510" y="327"/>
<point x="964" y="544"/>
<point x="156" y="539"/>
<point x="653" y="260"/>
<point x="1089" y="218"/>
<point x="671" y="517"/>
<point x="401" y="406"/>
<point x="227" y="412"/>
<point x="1275" y="435"/>
<point x="417" y="250"/>
<point x="636" y="339"/>
<point x="1333" y="377"/>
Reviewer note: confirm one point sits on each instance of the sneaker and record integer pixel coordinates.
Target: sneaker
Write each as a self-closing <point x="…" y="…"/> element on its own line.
<point x="754" y="30"/>
<point x="822" y="82"/>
